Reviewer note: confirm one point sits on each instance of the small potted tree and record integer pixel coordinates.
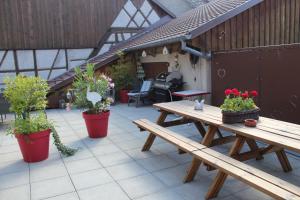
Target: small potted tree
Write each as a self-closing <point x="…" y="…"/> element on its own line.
<point x="32" y="130"/>
<point x="122" y="74"/>
<point x="239" y="106"/>
<point x="91" y="94"/>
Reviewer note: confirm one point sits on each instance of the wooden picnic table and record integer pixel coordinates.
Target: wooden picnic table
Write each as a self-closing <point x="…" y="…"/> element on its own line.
<point x="277" y="135"/>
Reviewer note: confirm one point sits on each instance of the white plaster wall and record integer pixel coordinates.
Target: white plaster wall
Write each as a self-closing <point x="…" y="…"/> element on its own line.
<point x="198" y="77"/>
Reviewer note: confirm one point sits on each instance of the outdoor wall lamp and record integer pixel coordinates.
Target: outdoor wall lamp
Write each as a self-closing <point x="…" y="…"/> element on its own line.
<point x="144" y="54"/>
<point x="165" y="51"/>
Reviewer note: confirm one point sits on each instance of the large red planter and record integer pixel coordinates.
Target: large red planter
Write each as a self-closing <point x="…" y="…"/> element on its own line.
<point x="96" y="124"/>
<point x="34" y="146"/>
<point x="123" y="96"/>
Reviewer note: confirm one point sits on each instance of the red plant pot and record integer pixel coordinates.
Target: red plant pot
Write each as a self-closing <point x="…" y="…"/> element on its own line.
<point x="123" y="96"/>
<point x="96" y="124"/>
<point x="34" y="146"/>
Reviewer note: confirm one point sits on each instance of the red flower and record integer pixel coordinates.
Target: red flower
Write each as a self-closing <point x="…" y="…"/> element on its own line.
<point x="228" y="92"/>
<point x="237" y="94"/>
<point x="235" y="91"/>
<point x="254" y="93"/>
<point x="245" y="95"/>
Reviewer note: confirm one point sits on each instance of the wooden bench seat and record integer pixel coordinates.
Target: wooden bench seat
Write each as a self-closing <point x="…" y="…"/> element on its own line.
<point x="266" y="183"/>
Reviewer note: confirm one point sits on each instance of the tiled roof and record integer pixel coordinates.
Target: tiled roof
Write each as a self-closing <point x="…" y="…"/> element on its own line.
<point x="196" y="3"/>
<point x="196" y="21"/>
<point x="187" y="26"/>
<point x="178" y="7"/>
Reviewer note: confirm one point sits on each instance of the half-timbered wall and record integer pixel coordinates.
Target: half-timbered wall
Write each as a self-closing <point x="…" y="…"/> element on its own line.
<point x="272" y="22"/>
<point x="36" y="36"/>
<point x="44" y="63"/>
<point x="130" y="20"/>
<point x="46" y="24"/>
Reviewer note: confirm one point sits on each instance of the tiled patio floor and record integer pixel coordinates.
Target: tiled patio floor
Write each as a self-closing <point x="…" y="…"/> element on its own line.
<point x="114" y="168"/>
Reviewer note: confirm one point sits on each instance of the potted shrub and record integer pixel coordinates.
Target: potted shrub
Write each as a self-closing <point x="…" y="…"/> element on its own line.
<point x="32" y="130"/>
<point x="239" y="106"/>
<point x="91" y="94"/>
<point x="122" y="74"/>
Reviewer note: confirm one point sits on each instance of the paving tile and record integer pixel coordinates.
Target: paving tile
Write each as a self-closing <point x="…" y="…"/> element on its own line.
<point x="157" y="163"/>
<point x="41" y="171"/>
<point x="138" y="154"/>
<point x="105" y="149"/>
<point x="172" y="176"/>
<point x="123" y="137"/>
<point x="16" y="193"/>
<point x="9" y="149"/>
<point x="91" y="178"/>
<point x="93" y="142"/>
<point x="165" y="147"/>
<point x="197" y="189"/>
<point x="82" y="165"/>
<point x="114" y="159"/>
<point x="51" y="188"/>
<point x="13" y="166"/>
<point x="251" y="194"/>
<point x="110" y="191"/>
<point x="132" y="144"/>
<point x="141" y="186"/>
<point x="69" y="196"/>
<point x="180" y="158"/>
<point x="14" y="179"/>
<point x="164" y="195"/>
<point x="12" y="156"/>
<point x="126" y="170"/>
<point x="80" y="154"/>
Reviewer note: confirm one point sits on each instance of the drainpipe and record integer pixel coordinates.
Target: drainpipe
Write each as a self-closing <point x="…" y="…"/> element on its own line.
<point x="190" y="50"/>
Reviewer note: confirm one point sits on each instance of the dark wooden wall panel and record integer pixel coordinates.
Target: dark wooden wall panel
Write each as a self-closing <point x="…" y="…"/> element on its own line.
<point x="43" y="24"/>
<point x="272" y="22"/>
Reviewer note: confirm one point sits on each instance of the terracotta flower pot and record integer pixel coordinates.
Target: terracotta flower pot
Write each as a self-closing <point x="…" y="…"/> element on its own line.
<point x="123" y="96"/>
<point x="96" y="124"/>
<point x="34" y="146"/>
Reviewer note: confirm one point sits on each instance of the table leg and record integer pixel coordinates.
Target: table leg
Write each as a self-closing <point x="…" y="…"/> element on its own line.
<point x="219" y="180"/>
<point x="200" y="128"/>
<point x="284" y="161"/>
<point x="207" y="140"/>
<point x="253" y="146"/>
<point x="162" y="117"/>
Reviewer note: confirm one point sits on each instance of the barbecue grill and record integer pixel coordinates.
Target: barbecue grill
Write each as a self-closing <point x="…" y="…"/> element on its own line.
<point x="166" y="83"/>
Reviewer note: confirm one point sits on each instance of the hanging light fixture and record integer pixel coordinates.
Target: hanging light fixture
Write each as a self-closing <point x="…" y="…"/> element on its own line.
<point x="144" y="54"/>
<point x="165" y="51"/>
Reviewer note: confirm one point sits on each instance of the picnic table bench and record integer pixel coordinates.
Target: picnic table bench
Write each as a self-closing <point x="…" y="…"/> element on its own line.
<point x="275" y="134"/>
<point x="262" y="181"/>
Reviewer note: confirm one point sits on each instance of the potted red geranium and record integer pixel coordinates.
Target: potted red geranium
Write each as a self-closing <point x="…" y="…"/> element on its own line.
<point x="32" y="130"/>
<point x="239" y="106"/>
<point x="92" y="94"/>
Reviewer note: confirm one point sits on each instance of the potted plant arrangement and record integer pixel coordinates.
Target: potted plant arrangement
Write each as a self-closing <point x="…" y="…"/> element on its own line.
<point x="239" y="106"/>
<point x="32" y="129"/>
<point x="91" y="93"/>
<point x="122" y="74"/>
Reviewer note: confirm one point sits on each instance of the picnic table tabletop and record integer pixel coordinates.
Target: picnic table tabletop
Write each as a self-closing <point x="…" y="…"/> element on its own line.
<point x="273" y="132"/>
<point x="190" y="93"/>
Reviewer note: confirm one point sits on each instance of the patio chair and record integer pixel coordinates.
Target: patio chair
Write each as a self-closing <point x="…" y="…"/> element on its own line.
<point x="141" y="95"/>
<point x="4" y="107"/>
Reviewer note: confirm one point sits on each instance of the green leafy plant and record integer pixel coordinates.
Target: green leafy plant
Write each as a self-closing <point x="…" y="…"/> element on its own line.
<point x="236" y="101"/>
<point x="27" y="94"/>
<point x="88" y="80"/>
<point x="122" y="74"/>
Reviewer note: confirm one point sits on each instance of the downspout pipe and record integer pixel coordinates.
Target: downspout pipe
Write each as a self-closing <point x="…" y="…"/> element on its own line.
<point x="190" y="50"/>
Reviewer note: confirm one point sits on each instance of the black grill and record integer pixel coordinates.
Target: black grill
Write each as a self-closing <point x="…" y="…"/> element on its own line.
<point x="165" y="84"/>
